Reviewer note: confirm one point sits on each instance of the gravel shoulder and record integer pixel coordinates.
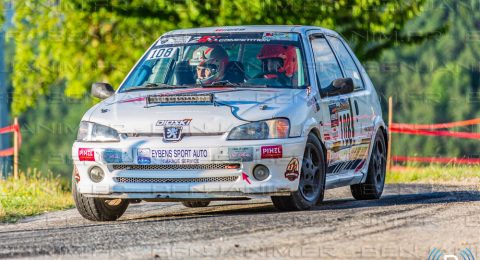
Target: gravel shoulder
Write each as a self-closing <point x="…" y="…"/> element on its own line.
<point x="408" y="222"/>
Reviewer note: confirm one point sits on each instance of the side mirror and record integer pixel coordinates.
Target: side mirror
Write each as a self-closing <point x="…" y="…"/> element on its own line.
<point x="339" y="86"/>
<point x="102" y="90"/>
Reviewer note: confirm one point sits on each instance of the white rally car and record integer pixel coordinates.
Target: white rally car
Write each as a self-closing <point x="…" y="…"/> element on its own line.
<point x="232" y="113"/>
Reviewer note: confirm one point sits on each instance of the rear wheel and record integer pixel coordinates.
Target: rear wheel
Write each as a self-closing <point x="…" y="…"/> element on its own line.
<point x="311" y="186"/>
<point x="196" y="203"/>
<point x="373" y="186"/>
<point x="98" y="209"/>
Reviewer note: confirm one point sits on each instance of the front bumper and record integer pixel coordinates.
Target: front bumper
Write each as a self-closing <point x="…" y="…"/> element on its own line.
<point x="147" y="168"/>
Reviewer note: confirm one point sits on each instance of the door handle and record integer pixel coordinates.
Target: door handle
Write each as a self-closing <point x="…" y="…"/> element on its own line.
<point x="356" y="107"/>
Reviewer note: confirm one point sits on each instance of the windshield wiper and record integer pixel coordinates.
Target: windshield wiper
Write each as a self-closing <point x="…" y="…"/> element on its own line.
<point x="149" y="86"/>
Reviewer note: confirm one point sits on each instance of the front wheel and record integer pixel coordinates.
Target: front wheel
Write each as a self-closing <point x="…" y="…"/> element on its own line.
<point x="98" y="209"/>
<point x="373" y="186"/>
<point x="311" y="186"/>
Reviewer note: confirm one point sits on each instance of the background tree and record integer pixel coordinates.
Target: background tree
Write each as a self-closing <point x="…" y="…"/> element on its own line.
<point x="78" y="42"/>
<point x="436" y="81"/>
<point x="61" y="47"/>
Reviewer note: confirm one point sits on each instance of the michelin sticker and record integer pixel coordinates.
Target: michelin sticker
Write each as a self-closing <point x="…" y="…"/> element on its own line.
<point x="162" y="53"/>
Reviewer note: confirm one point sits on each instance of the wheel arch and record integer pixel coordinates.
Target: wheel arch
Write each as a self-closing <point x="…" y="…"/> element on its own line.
<point x="379" y="125"/>
<point x="315" y="131"/>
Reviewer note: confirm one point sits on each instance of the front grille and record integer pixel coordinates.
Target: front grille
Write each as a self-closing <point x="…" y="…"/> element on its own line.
<point x="175" y="180"/>
<point x="178" y="167"/>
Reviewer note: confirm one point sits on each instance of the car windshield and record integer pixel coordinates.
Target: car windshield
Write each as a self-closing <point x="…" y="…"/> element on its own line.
<point x="237" y="60"/>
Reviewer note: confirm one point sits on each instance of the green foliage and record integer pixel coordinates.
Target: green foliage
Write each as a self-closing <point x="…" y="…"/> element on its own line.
<point x="2" y="12"/>
<point x="77" y="42"/>
<point x="437" y="81"/>
<point x="32" y="194"/>
<point x="61" y="47"/>
<point x="49" y="131"/>
<point x="438" y="174"/>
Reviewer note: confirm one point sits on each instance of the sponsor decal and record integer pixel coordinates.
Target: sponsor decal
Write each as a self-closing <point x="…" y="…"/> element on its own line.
<point x="178" y="156"/>
<point x="161" y="53"/>
<point x="292" y="173"/>
<point x="173" y="40"/>
<point x="86" y="154"/>
<point x="194" y="91"/>
<point x="112" y="156"/>
<point x="279" y="36"/>
<point x="144" y="156"/>
<point x="341" y="121"/>
<point x="172" y="129"/>
<point x="271" y="151"/>
<point x="181" y="99"/>
<point x="230" y="29"/>
<point x="183" y="122"/>
<point x="206" y="38"/>
<point x="333" y="115"/>
<point x="244" y="154"/>
<point x="326" y="136"/>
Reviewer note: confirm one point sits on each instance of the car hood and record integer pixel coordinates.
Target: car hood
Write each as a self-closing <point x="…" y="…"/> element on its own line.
<point x="129" y="113"/>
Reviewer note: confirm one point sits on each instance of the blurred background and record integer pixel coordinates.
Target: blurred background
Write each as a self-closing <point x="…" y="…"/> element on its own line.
<point x="426" y="54"/>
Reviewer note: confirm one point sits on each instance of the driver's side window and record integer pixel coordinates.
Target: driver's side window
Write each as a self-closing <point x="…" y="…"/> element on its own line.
<point x="326" y="65"/>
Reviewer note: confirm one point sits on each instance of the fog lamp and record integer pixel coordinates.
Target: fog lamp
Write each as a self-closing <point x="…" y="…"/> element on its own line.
<point x="261" y="172"/>
<point x="96" y="174"/>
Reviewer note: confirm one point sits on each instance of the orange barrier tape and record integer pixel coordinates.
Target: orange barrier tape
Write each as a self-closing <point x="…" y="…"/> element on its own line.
<point x="437" y="160"/>
<point x="9" y="129"/>
<point x="6" y="152"/>
<point x="436" y="126"/>
<point x="436" y="133"/>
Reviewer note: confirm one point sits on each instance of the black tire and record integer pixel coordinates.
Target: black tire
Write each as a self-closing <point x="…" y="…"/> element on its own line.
<point x="373" y="187"/>
<point x="195" y="203"/>
<point x="311" y="187"/>
<point x="98" y="209"/>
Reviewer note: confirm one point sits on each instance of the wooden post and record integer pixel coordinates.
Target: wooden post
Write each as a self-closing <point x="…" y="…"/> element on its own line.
<point x="15" y="149"/>
<point x="390" y="121"/>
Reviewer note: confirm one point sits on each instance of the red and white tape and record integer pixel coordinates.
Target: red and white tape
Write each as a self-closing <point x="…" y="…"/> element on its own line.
<point x="10" y="129"/>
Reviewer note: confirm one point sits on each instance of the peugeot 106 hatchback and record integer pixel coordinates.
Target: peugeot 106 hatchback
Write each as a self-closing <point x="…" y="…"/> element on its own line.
<point x="232" y="113"/>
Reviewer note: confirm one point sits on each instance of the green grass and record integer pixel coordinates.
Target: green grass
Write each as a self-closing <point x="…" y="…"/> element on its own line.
<point x="442" y="174"/>
<point x="32" y="194"/>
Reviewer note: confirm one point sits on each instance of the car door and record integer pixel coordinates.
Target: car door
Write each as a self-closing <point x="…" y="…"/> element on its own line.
<point x="338" y="126"/>
<point x="362" y="110"/>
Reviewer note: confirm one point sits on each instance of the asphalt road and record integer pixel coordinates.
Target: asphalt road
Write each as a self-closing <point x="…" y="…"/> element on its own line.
<point x="407" y="223"/>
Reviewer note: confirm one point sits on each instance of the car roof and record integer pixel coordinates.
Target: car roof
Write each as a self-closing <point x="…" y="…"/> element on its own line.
<point x="252" y="28"/>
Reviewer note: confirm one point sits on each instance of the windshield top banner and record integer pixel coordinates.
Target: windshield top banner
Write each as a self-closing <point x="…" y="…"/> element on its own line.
<point x="235" y="37"/>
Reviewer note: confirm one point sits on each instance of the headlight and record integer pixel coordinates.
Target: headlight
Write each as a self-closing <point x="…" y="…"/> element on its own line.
<point x="269" y="129"/>
<point x="92" y="132"/>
